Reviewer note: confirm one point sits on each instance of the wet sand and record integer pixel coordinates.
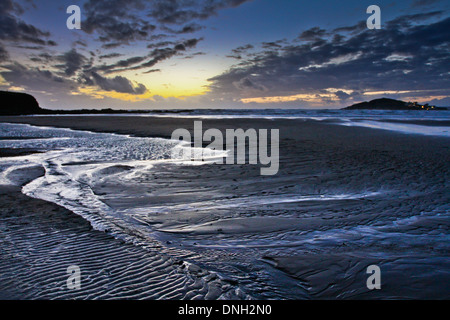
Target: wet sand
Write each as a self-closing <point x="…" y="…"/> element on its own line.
<point x="40" y="240"/>
<point x="315" y="157"/>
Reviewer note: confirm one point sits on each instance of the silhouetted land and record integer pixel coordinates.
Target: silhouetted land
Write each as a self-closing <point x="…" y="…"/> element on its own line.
<point x="15" y="104"/>
<point x="391" y="104"/>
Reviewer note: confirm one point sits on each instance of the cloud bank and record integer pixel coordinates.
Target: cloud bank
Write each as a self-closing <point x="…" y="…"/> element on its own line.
<point x="342" y="64"/>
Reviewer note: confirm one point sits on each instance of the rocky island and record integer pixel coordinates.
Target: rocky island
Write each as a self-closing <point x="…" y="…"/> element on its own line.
<point x="392" y="104"/>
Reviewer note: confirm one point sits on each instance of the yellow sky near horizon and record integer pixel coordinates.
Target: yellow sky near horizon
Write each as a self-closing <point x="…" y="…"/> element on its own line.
<point x="179" y="79"/>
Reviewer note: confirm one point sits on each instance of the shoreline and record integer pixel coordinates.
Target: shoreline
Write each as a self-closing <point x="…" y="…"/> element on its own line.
<point x="337" y="156"/>
<point x="162" y="127"/>
<point x="40" y="240"/>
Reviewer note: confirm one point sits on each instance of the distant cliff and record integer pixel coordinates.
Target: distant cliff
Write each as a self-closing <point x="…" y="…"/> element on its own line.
<point x="14" y="103"/>
<point x="391" y="104"/>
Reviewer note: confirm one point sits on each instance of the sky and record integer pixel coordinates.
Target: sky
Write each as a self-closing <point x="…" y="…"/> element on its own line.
<point x="177" y="54"/>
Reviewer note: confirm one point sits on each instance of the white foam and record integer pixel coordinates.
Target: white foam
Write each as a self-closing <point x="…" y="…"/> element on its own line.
<point x="400" y="127"/>
<point x="256" y="201"/>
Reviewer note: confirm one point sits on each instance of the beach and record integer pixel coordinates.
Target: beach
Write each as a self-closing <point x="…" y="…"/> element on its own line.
<point x="345" y="197"/>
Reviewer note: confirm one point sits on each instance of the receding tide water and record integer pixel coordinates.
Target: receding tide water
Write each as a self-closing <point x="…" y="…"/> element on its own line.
<point x="308" y="232"/>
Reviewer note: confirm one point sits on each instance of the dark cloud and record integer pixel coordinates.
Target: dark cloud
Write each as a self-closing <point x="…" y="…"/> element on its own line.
<point x="3" y="54"/>
<point x="421" y="3"/>
<point x="242" y="49"/>
<point x="312" y="34"/>
<point x="9" y="6"/>
<point x="159" y="55"/>
<point x="273" y="45"/>
<point x="121" y="21"/>
<point x="360" y="26"/>
<point x="152" y="71"/>
<point x="160" y="44"/>
<point x="154" y="57"/>
<point x="239" y="51"/>
<point x="404" y="56"/>
<point x="111" y="45"/>
<point x="121" y="65"/>
<point x="14" y="29"/>
<point x="116" y="21"/>
<point x="190" y="28"/>
<point x="159" y="37"/>
<point x="36" y="79"/>
<point x="45" y="84"/>
<point x="118" y="84"/>
<point x="342" y="95"/>
<point x="246" y="83"/>
<point x="406" y="21"/>
<point x="72" y="62"/>
<point x="45" y="56"/>
<point x="181" y="11"/>
<point x="80" y="43"/>
<point x="111" y="55"/>
<point x="42" y="58"/>
<point x="194" y="55"/>
<point x="31" y="47"/>
<point x="75" y="70"/>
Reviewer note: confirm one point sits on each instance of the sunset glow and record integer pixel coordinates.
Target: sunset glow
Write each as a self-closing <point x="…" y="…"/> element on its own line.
<point x="151" y="55"/>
